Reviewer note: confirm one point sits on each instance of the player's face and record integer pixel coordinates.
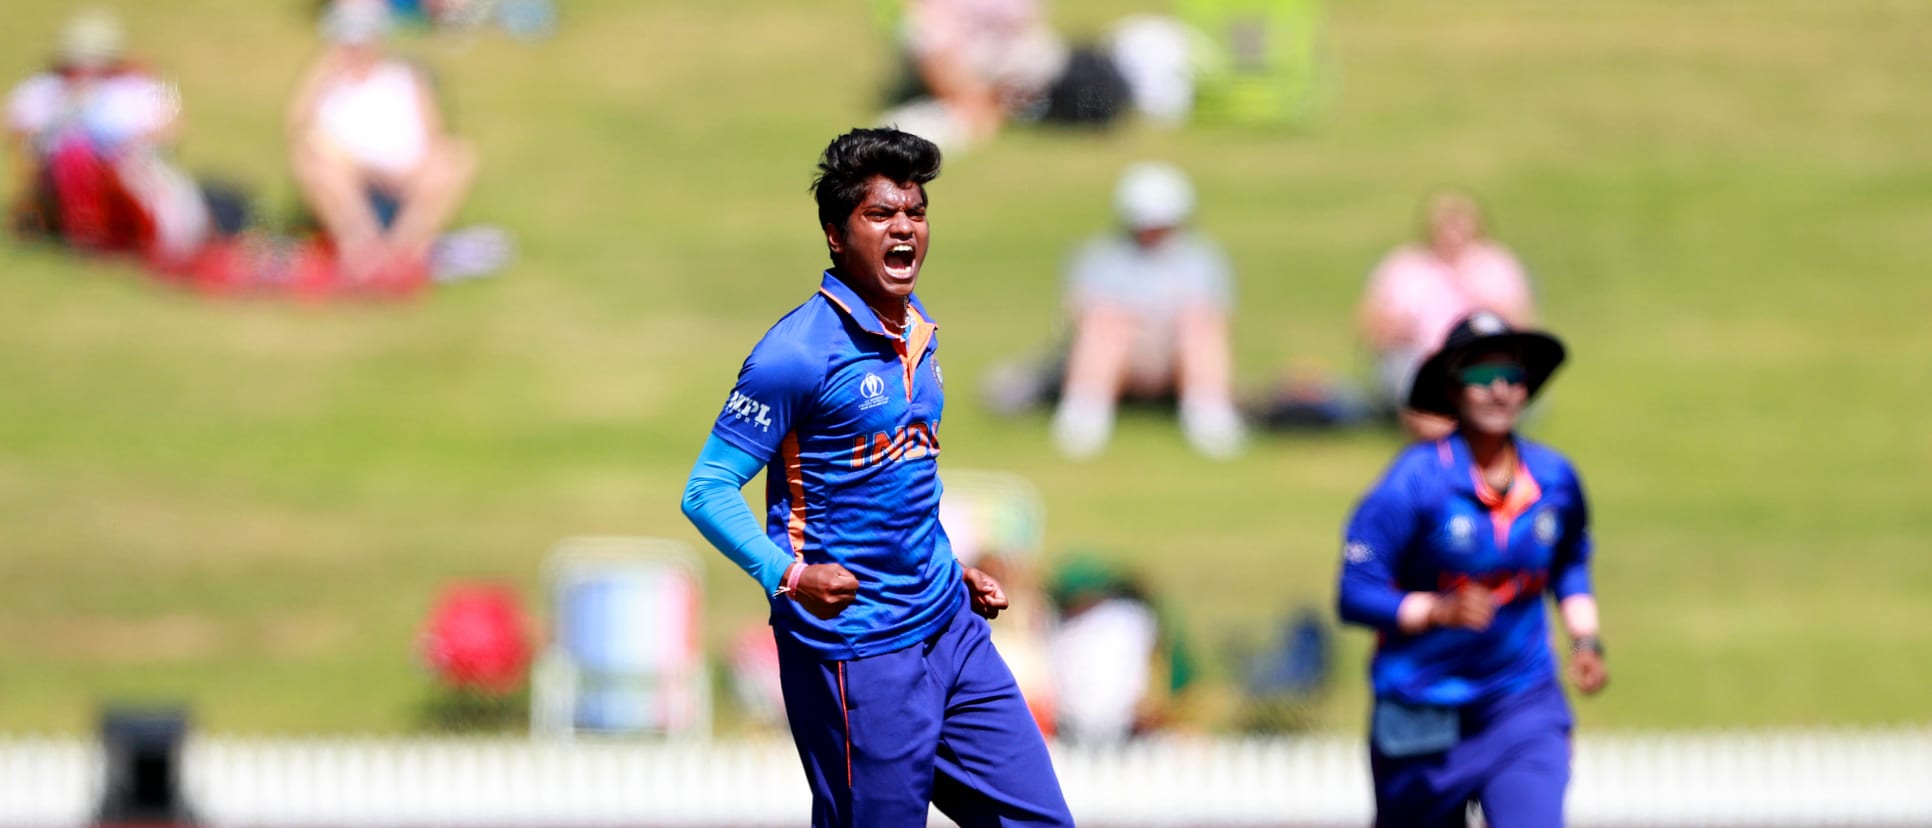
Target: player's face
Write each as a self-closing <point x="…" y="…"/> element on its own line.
<point x="883" y="242"/>
<point x="1493" y="393"/>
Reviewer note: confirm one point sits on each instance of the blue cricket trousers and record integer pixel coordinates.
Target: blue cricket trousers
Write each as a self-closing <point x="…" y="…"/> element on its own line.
<point x="1513" y="756"/>
<point x="938" y="723"/>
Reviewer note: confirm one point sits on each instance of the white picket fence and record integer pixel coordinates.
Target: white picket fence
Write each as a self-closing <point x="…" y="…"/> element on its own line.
<point x="1864" y="778"/>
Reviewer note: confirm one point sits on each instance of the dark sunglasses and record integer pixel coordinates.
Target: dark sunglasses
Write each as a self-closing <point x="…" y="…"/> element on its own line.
<point x="1488" y="373"/>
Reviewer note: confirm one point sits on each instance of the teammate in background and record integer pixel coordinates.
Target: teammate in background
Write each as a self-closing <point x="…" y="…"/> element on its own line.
<point x="1419" y="290"/>
<point x="896" y="698"/>
<point x="1448" y="559"/>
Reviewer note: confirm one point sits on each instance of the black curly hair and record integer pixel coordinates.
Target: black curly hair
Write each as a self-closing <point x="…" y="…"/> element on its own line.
<point x="854" y="158"/>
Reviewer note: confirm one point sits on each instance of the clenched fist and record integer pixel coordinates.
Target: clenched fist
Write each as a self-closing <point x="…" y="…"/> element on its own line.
<point x="1471" y="608"/>
<point x="825" y="590"/>
<point x="988" y="598"/>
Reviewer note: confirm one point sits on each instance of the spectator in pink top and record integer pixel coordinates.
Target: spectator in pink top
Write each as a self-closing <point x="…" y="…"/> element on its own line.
<point x="1419" y="290"/>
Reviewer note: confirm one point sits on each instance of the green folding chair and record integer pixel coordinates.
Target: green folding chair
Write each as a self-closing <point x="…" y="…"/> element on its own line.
<point x="1269" y="61"/>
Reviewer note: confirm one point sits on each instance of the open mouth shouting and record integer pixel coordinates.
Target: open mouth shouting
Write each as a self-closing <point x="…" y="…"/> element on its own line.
<point x="880" y="248"/>
<point x="901" y="262"/>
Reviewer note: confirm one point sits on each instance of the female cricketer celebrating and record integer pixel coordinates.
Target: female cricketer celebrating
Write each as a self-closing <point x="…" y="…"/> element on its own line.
<point x="1448" y="558"/>
<point x="896" y="697"/>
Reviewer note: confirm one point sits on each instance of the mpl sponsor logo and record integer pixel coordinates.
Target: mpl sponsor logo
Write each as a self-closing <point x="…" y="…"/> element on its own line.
<point x="749" y="410"/>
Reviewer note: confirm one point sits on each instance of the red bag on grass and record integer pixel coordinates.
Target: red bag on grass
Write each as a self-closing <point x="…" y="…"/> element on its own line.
<point x="476" y="639"/>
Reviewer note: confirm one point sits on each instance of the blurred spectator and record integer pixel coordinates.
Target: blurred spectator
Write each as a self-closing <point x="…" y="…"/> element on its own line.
<point x="1150" y="306"/>
<point x="996" y="524"/>
<point x="521" y="18"/>
<point x="973" y="63"/>
<point x="89" y="137"/>
<point x="1419" y="291"/>
<point x="1284" y="683"/>
<point x="1118" y="664"/>
<point x="1158" y="58"/>
<point x="1023" y="634"/>
<point x="369" y="148"/>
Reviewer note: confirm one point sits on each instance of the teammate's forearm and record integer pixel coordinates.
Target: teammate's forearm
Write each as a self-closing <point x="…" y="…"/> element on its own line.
<point x="1412" y="616"/>
<point x="1580" y="616"/>
<point x="713" y="504"/>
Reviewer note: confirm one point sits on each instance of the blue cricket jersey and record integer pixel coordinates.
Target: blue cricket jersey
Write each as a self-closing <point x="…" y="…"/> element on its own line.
<point x="846" y="416"/>
<point x="1432" y="525"/>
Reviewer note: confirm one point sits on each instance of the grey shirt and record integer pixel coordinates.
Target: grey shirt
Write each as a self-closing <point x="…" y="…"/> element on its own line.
<point x="1185" y="269"/>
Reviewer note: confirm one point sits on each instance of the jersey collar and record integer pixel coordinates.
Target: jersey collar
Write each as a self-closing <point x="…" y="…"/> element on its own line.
<point x="847" y="300"/>
<point x="1453" y="453"/>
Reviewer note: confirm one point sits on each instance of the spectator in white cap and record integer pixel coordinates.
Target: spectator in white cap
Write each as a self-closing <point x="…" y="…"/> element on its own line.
<point x="1150" y="307"/>
<point x="369" y="148"/>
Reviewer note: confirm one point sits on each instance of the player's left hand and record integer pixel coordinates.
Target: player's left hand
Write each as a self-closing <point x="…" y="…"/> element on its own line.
<point x="988" y="598"/>
<point x="1588" y="672"/>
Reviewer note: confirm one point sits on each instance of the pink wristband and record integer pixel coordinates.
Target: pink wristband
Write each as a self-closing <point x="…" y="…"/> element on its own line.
<point x="792" y="574"/>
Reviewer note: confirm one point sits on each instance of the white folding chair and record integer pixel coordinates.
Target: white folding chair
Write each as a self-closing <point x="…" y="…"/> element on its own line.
<point x="625" y="654"/>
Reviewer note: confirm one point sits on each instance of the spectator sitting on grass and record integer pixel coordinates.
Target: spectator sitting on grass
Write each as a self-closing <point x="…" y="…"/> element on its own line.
<point x="1149" y="306"/>
<point x="89" y="137"/>
<point x="369" y="148"/>
<point x="973" y="62"/>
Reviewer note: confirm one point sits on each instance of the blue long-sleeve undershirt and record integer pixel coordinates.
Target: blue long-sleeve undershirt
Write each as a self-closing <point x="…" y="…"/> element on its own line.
<point x="713" y="503"/>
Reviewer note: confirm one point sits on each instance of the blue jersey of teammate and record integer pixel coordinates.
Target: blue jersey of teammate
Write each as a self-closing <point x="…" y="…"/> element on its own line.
<point x="848" y="415"/>
<point x="1433" y="525"/>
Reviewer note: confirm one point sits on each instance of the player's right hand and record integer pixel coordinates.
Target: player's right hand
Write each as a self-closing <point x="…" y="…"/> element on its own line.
<point x="1471" y="607"/>
<point x="825" y="590"/>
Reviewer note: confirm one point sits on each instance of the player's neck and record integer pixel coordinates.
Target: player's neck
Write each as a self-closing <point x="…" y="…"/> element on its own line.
<point x="893" y="313"/>
<point x="1493" y="453"/>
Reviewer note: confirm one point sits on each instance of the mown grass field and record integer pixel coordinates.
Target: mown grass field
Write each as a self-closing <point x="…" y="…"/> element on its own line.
<point x="1727" y="207"/>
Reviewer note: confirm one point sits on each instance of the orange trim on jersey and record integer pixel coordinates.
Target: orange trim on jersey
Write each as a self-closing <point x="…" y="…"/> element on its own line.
<point x="795" y="479"/>
<point x="914" y="346"/>
<point x="836" y="301"/>
<point x="911" y="346"/>
<point x="845" y="710"/>
<point x="1505" y="509"/>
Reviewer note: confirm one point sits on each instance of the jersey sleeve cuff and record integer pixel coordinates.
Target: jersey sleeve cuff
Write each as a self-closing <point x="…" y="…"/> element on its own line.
<point x="1380" y="609"/>
<point x="1574" y="581"/>
<point x="743" y="443"/>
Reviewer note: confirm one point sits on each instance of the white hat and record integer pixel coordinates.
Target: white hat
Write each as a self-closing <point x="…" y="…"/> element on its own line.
<point x="1152" y="194"/>
<point x="92" y="38"/>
